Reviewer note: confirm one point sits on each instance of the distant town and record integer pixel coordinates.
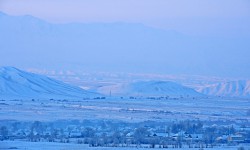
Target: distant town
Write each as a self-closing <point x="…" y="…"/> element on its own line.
<point x="147" y="134"/>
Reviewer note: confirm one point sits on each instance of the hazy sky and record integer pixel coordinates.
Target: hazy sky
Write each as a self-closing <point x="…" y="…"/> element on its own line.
<point x="228" y="18"/>
<point x="209" y="37"/>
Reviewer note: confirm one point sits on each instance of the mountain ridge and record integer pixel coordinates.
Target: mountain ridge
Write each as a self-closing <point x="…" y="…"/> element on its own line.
<point x="150" y="89"/>
<point x="148" y="49"/>
<point x="20" y="84"/>
<point x="237" y="88"/>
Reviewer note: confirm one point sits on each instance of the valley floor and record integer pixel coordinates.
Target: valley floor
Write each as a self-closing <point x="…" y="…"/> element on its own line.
<point x="127" y="109"/>
<point x="219" y="121"/>
<point x="22" y="145"/>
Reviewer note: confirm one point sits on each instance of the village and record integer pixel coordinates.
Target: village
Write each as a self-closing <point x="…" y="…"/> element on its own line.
<point x="148" y="134"/>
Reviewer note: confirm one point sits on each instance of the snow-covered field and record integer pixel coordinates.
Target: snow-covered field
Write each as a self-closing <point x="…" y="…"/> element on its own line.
<point x="125" y="109"/>
<point x="20" y="145"/>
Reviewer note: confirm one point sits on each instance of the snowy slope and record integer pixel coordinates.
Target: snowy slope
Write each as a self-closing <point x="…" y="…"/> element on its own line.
<point x="239" y="88"/>
<point x="15" y="83"/>
<point x="149" y="88"/>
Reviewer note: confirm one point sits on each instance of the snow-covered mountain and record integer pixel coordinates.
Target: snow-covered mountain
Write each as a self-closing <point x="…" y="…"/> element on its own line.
<point x="239" y="88"/>
<point x="149" y="88"/>
<point x="15" y="83"/>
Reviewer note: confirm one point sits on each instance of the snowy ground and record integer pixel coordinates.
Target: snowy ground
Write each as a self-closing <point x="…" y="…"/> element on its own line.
<point x="20" y="145"/>
<point x="126" y="109"/>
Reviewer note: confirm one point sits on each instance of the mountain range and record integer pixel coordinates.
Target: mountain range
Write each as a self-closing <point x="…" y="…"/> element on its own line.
<point x="27" y="41"/>
<point x="117" y="47"/>
<point x="18" y="84"/>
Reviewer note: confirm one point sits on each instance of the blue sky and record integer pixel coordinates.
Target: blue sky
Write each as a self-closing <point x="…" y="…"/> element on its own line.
<point x="228" y="18"/>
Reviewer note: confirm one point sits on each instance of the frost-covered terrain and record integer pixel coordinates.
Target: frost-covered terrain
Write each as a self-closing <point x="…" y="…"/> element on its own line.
<point x="65" y="146"/>
<point x="156" y="78"/>
<point x="127" y="109"/>
<point x="35" y="96"/>
<point x="105" y="82"/>
<point x="239" y="88"/>
<point x="149" y="88"/>
<point x="35" y="110"/>
<point x="18" y="84"/>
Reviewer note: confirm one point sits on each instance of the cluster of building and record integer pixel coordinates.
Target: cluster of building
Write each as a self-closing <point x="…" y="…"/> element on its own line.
<point x="173" y="135"/>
